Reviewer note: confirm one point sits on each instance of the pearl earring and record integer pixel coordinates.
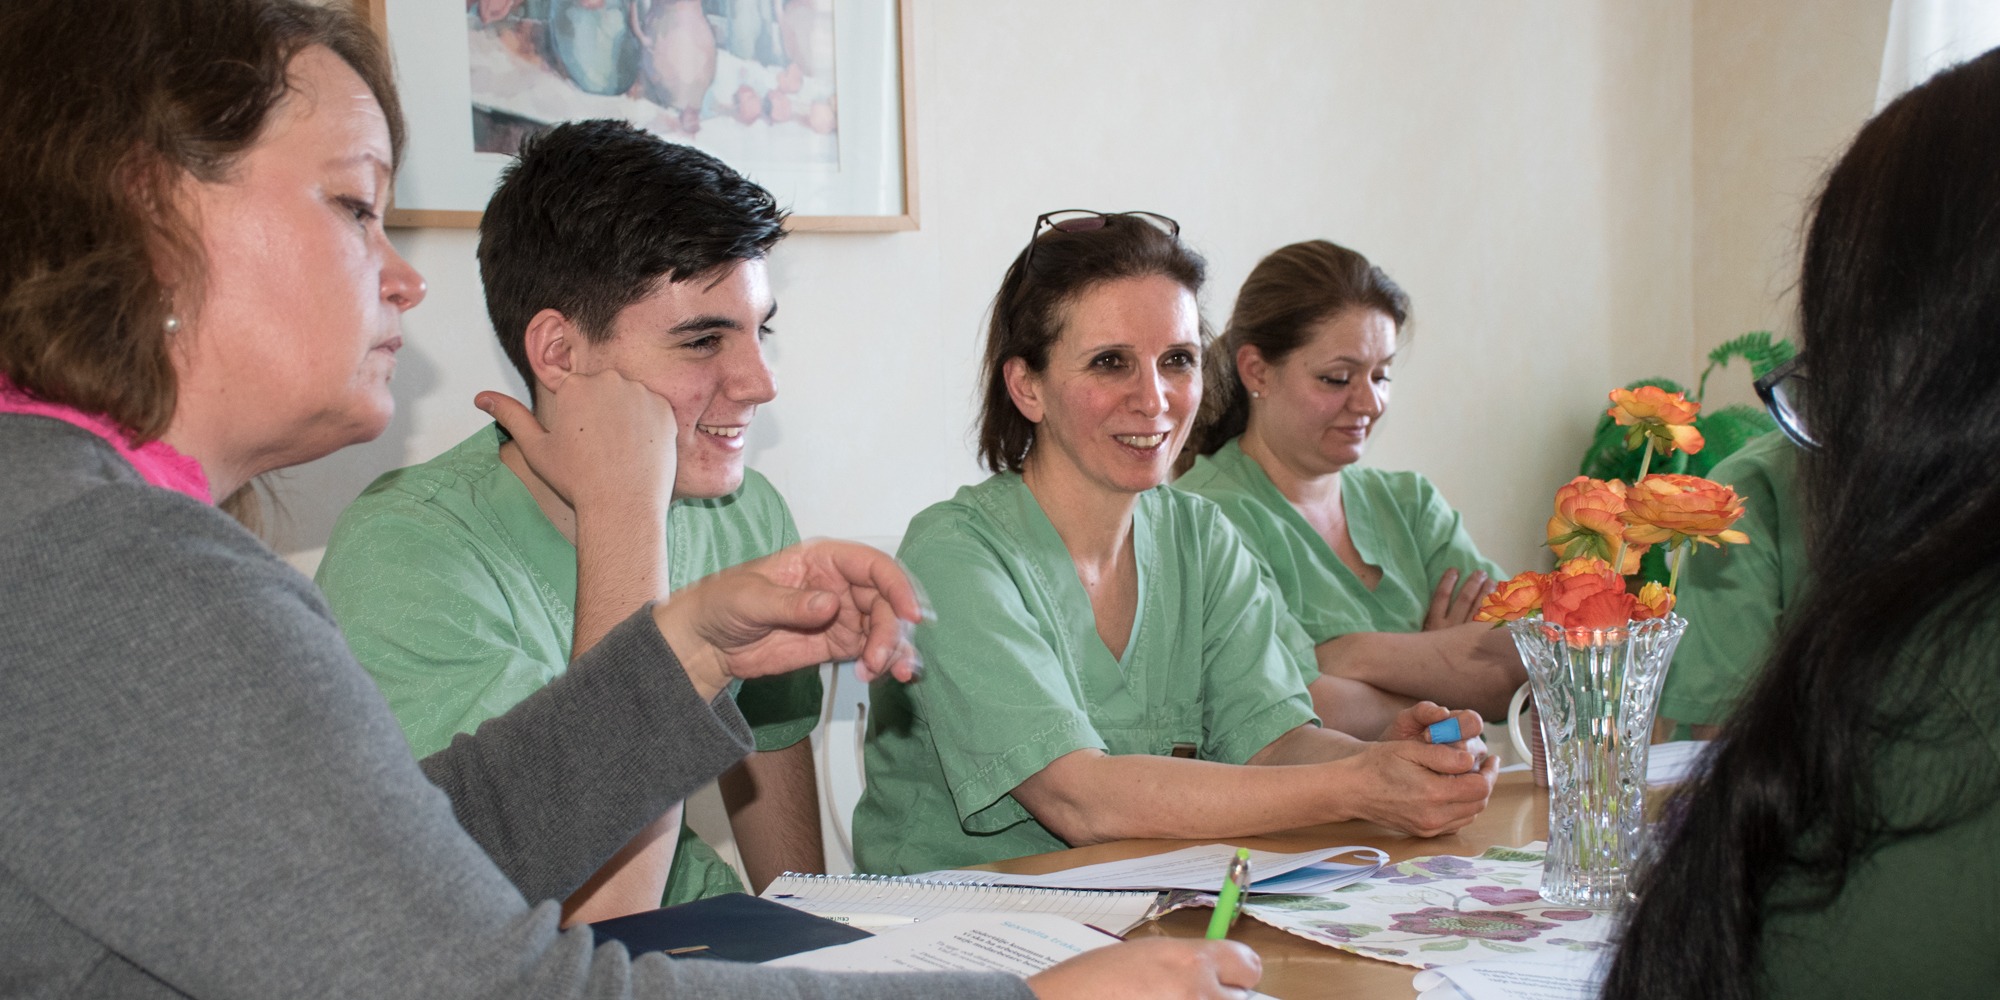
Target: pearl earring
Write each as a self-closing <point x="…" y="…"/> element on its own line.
<point x="172" y="324"/>
<point x="1254" y="394"/>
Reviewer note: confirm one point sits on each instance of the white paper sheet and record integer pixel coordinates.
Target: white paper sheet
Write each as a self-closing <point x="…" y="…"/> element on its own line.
<point x="1538" y="978"/>
<point x="1196" y="868"/>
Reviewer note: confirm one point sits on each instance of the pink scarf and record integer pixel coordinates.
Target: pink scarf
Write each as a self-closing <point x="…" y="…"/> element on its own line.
<point x="159" y="462"/>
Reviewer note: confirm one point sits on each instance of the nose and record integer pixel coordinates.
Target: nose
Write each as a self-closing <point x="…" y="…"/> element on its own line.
<point x="1371" y="400"/>
<point x="751" y="380"/>
<point x="1149" y="394"/>
<point x="402" y="286"/>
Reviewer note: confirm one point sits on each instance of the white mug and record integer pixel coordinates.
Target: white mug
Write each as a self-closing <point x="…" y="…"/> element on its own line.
<point x="1524" y="727"/>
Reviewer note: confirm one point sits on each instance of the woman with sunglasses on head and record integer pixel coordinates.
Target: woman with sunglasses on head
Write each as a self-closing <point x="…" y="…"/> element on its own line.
<point x="1840" y="842"/>
<point x="204" y="795"/>
<point x="1106" y="658"/>
<point x="1376" y="566"/>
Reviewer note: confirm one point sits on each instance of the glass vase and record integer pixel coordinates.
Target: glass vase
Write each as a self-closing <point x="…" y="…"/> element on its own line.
<point x="1596" y="691"/>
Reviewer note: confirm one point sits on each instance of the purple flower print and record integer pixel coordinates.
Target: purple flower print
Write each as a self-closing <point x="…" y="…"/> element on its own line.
<point x="1493" y="895"/>
<point x="1344" y="932"/>
<point x="1437" y="869"/>
<point x="1487" y="925"/>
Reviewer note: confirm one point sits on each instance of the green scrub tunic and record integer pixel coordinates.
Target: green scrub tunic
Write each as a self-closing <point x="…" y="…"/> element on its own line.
<point x="1398" y="521"/>
<point x="1016" y="675"/>
<point x="1735" y="599"/>
<point x="458" y="596"/>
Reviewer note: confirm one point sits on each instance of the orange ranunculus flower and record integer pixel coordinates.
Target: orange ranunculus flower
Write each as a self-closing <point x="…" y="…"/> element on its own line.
<point x="1653" y="412"/>
<point x="1674" y="509"/>
<point x="1517" y="598"/>
<point x="1586" y="594"/>
<point x="1588" y="522"/>
<point x="1654" y="601"/>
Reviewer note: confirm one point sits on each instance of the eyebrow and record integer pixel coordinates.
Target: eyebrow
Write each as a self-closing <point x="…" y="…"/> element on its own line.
<point x="703" y="324"/>
<point x="1361" y="362"/>
<point x="367" y="158"/>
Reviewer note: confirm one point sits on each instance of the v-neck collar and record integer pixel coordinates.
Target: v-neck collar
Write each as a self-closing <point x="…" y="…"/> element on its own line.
<point x="1361" y="533"/>
<point x="1053" y="562"/>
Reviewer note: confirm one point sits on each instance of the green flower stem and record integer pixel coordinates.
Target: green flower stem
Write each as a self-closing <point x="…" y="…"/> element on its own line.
<point x="1645" y="462"/>
<point x="1674" y="578"/>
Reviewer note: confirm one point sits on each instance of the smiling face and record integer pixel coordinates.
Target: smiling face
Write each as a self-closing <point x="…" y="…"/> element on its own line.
<point x="1317" y="407"/>
<point x="1123" y="381"/>
<point x="699" y="344"/>
<point x="290" y="354"/>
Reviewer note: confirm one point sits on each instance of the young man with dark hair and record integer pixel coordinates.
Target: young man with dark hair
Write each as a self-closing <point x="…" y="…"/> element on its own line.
<point x="625" y="278"/>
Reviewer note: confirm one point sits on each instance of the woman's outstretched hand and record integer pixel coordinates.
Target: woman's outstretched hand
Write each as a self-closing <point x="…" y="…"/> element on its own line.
<point x="808" y="604"/>
<point x="1154" y="969"/>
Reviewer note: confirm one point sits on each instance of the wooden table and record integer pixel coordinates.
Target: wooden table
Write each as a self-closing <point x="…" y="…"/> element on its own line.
<point x="1297" y="969"/>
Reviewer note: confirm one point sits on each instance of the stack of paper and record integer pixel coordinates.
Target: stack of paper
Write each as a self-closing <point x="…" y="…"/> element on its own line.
<point x="1199" y="869"/>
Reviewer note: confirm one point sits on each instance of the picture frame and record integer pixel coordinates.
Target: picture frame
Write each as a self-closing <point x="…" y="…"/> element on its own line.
<point x="836" y="145"/>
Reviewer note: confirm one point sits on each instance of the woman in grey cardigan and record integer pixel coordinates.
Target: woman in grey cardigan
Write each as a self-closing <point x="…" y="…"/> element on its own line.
<point x="204" y="796"/>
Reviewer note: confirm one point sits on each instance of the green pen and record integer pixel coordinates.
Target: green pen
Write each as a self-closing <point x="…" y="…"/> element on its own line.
<point x="1234" y="882"/>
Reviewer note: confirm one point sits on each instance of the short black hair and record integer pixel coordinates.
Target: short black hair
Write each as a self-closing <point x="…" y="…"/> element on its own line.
<point x="593" y="215"/>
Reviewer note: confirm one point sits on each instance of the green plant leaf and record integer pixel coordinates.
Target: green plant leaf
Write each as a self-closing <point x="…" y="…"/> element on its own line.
<point x="1727" y="430"/>
<point x="1757" y="348"/>
<point x="1455" y="944"/>
<point x="1512" y="949"/>
<point x="1509" y="854"/>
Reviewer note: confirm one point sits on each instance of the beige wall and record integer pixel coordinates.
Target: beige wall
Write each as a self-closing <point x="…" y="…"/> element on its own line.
<point x="1575" y="193"/>
<point x="1779" y="89"/>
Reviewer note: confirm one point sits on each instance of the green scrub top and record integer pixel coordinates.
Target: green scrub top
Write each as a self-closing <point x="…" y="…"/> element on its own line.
<point x="1735" y="599"/>
<point x="1016" y="675"/>
<point x="1398" y="521"/>
<point x="458" y="596"/>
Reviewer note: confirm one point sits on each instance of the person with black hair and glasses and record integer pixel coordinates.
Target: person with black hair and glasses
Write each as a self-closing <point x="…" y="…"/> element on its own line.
<point x="1106" y="655"/>
<point x="625" y="278"/>
<point x="1840" y="840"/>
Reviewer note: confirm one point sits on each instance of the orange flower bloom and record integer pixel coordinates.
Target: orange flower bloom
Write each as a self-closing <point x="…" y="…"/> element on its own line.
<point x="1654" y="601"/>
<point x="1674" y="509"/>
<point x="1586" y="594"/>
<point x="1514" y="599"/>
<point x="1588" y="522"/>
<point x="1653" y="412"/>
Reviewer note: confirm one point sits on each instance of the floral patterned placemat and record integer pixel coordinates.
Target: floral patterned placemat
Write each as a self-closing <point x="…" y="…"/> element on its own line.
<point x="1442" y="910"/>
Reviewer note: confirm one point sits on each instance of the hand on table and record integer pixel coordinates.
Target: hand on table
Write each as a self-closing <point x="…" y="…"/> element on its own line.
<point x="1419" y="788"/>
<point x="601" y="440"/>
<point x="1153" y="969"/>
<point x="1452" y="604"/>
<point x="813" y="602"/>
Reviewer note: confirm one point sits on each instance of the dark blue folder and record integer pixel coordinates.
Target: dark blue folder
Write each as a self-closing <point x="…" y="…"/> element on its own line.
<point x="732" y="927"/>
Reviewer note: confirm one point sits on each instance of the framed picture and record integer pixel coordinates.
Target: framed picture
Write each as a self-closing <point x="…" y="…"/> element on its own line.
<point x="810" y="98"/>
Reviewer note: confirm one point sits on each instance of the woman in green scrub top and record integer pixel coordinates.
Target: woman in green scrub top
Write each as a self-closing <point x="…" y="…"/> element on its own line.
<point x="1839" y="842"/>
<point x="1105" y="657"/>
<point x="1376" y="566"/>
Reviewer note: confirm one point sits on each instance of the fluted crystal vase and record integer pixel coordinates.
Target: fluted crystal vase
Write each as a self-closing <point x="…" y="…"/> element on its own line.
<point x="1597" y="691"/>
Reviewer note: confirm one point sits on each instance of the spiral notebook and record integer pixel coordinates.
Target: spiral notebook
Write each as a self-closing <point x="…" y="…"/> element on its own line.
<point x="875" y="902"/>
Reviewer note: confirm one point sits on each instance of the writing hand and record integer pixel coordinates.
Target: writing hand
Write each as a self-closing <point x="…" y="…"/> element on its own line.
<point x="1153" y="969"/>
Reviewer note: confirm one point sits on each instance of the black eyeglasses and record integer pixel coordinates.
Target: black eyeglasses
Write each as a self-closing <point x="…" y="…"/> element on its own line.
<point x="1083" y="220"/>
<point x="1783" y="390"/>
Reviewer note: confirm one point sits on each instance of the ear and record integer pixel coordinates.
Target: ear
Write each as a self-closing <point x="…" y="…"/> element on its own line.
<point x="1252" y="368"/>
<point x="1025" y="387"/>
<point x="554" y="347"/>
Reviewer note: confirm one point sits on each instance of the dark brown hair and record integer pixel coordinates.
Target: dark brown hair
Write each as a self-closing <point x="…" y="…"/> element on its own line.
<point x="596" y="215"/>
<point x="1049" y="275"/>
<point x="1288" y="293"/>
<point x="103" y="114"/>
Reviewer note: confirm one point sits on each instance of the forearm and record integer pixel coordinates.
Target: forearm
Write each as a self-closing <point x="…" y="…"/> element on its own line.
<point x="621" y="564"/>
<point x="773" y="805"/>
<point x="634" y="880"/>
<point x="1357" y="708"/>
<point x="1471" y="666"/>
<point x="1089" y="797"/>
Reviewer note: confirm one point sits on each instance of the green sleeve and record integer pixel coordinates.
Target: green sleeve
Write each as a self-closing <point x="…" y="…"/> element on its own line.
<point x="1447" y="545"/>
<point x="1732" y="600"/>
<point x="1256" y="660"/>
<point x="425" y="612"/>
<point x="994" y="688"/>
<point x="784" y="709"/>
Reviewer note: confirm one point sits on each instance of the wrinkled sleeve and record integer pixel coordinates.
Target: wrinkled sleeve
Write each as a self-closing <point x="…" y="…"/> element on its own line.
<point x="1732" y="599"/>
<point x="422" y="606"/>
<point x="207" y="790"/>
<point x="1446" y="543"/>
<point x="994" y="691"/>
<point x="1256" y="660"/>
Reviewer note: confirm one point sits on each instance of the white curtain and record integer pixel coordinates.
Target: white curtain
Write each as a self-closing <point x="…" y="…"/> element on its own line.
<point x="1927" y="35"/>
